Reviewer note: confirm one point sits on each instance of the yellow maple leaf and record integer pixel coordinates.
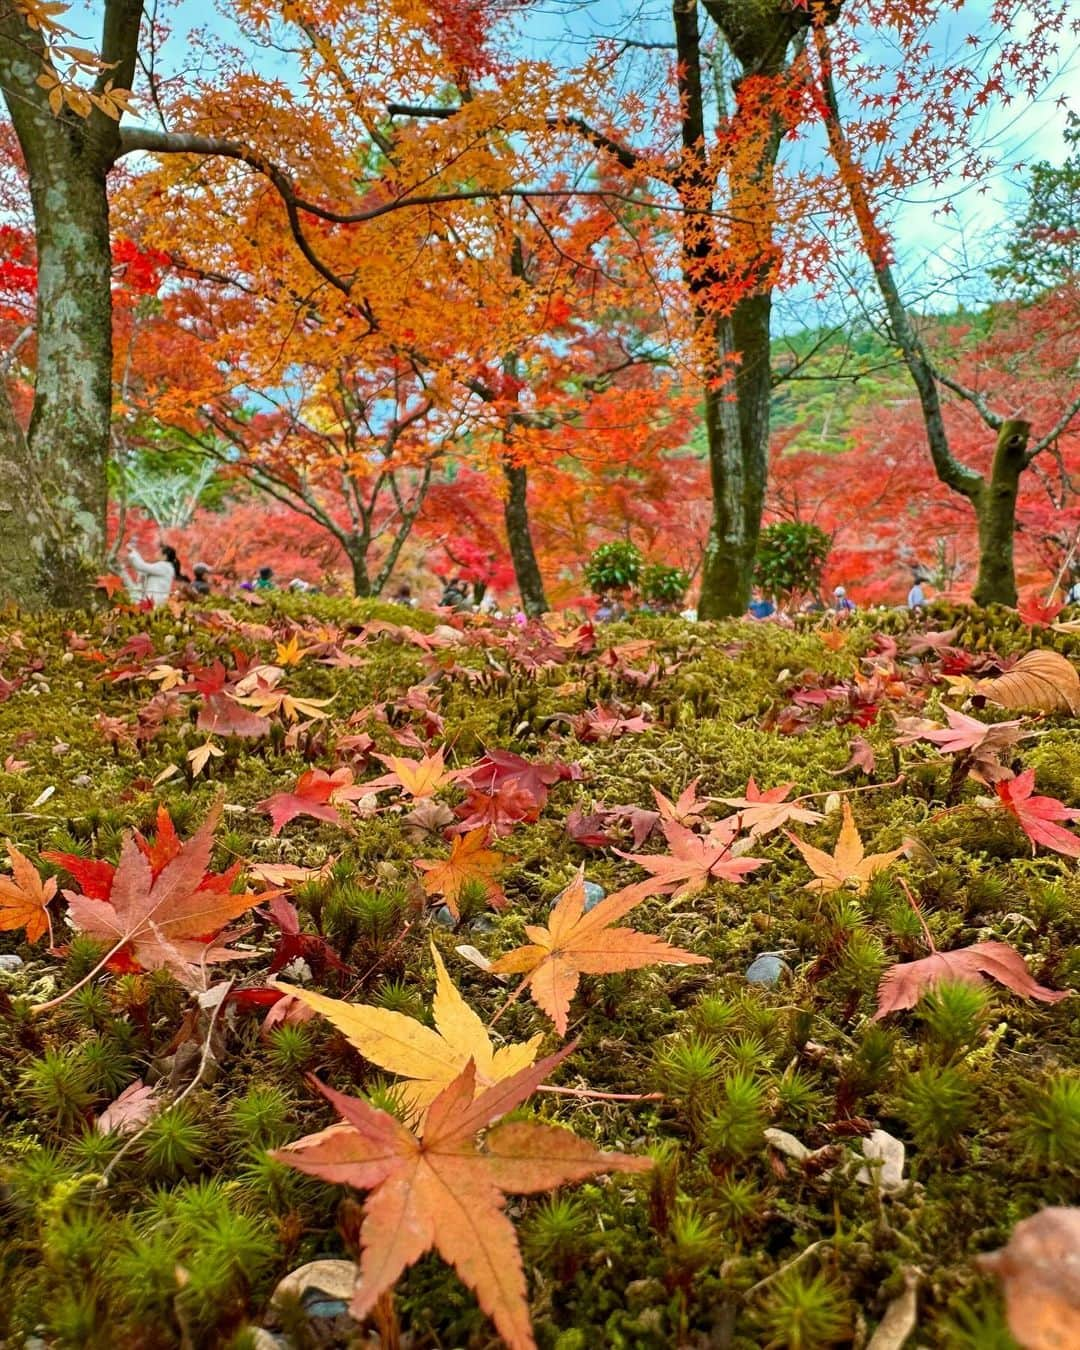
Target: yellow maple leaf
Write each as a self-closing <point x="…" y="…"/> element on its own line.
<point x="416" y="777"/>
<point x="848" y="865"/>
<point x="290" y="653"/>
<point x="428" y="1059"/>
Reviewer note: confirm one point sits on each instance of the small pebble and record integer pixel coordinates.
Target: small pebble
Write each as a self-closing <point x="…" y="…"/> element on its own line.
<point x="483" y="923"/>
<point x="593" y="895"/>
<point x="444" y="917"/>
<point x="9" y="963"/>
<point x="766" y="969"/>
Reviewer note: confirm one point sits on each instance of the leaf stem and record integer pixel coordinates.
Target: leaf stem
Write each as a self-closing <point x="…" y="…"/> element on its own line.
<point x="918" y="914"/>
<point x="586" y="1095"/>
<point x="199" y="1072"/>
<point x="60" y="998"/>
<point x="511" y="1000"/>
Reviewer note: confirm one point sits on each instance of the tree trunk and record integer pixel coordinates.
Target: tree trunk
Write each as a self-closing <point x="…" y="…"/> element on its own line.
<point x="516" y="514"/>
<point x="361" y="579"/>
<point x="738" y="441"/>
<point x="53" y="485"/>
<point x="995" y="510"/>
<point x="737" y="352"/>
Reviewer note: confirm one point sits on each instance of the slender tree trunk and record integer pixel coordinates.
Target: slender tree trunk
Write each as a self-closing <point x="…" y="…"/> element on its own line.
<point x="516" y="514"/>
<point x="361" y="578"/>
<point x="995" y="510"/>
<point x="737" y="352"/>
<point x="53" y="485"/>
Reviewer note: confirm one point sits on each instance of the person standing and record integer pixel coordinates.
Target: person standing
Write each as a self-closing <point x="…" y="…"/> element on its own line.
<point x="153" y="580"/>
<point x="841" y="603"/>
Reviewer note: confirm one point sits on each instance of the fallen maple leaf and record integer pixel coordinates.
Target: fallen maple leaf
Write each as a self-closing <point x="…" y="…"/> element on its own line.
<point x="133" y="1108"/>
<point x="1040" y="1275"/>
<point x="968" y="733"/>
<point x="415" y="777"/>
<point x="201" y="756"/>
<point x="687" y="809"/>
<point x="1037" y="612"/>
<point x="694" y="861"/>
<point x="267" y="699"/>
<point x="164" y="919"/>
<point x="470" y="861"/>
<point x="1036" y="815"/>
<point x="428" y="1059"/>
<point x="316" y="794"/>
<point x="575" y="943"/>
<point x="860" y="756"/>
<point x="293" y="942"/>
<point x="223" y="716"/>
<point x="24" y="898"/>
<point x="587" y="830"/>
<point x="498" y="811"/>
<point x="848" y="865"/>
<point x="903" y="984"/>
<point x="1040" y="679"/>
<point x="442" y="1190"/>
<point x="762" y="812"/>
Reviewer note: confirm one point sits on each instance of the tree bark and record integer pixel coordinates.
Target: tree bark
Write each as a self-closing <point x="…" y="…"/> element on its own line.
<point x="995" y="510"/>
<point x="737" y="352"/>
<point x="516" y="514"/>
<point x="53" y="493"/>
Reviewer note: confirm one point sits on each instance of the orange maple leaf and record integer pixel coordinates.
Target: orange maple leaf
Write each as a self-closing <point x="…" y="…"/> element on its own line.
<point x="848" y="865"/>
<point x="443" y="1190"/>
<point x="24" y="898"/>
<point x="469" y="861"/>
<point x="762" y="812"/>
<point x="163" y="919"/>
<point x="110" y="583"/>
<point x="694" y="860"/>
<point x="575" y="943"/>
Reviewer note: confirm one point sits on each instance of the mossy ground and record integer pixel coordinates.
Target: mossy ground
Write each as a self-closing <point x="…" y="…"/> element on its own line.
<point x="197" y="1225"/>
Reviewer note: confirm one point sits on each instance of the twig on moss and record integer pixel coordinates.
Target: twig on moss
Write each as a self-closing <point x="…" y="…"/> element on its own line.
<point x="788" y="1265"/>
<point x="204" y="1061"/>
<point x="586" y="1095"/>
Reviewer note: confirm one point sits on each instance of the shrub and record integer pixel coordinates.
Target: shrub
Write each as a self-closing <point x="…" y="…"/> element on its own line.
<point x="615" y="566"/>
<point x="791" y="556"/>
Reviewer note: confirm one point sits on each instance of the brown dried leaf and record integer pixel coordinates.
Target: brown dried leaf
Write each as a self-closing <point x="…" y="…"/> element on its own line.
<point x="1040" y="679"/>
<point x="1040" y="1274"/>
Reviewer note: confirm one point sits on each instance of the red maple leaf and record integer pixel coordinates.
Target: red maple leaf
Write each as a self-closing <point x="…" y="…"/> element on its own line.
<point x="904" y="984"/>
<point x="315" y="794"/>
<point x="293" y="943"/>
<point x="1037" y="815"/>
<point x="110" y="584"/>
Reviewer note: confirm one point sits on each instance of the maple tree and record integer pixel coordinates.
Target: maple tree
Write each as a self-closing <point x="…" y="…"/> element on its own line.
<point x="993" y="494"/>
<point x="439" y="1189"/>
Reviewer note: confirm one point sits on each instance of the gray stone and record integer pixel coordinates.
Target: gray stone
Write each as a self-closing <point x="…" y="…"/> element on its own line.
<point x="9" y="963"/>
<point x="767" y="969"/>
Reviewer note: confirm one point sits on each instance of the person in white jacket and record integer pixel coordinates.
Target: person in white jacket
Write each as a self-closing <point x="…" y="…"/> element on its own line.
<point x="153" y="580"/>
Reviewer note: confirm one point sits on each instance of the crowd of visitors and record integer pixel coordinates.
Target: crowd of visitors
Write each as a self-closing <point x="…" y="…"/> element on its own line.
<point x="155" y="581"/>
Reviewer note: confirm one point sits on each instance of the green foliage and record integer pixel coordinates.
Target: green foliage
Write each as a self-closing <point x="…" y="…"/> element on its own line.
<point x="803" y="1312"/>
<point x="174" y="1142"/>
<point x="664" y="585"/>
<point x="791" y="557"/>
<point x="615" y="566"/>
